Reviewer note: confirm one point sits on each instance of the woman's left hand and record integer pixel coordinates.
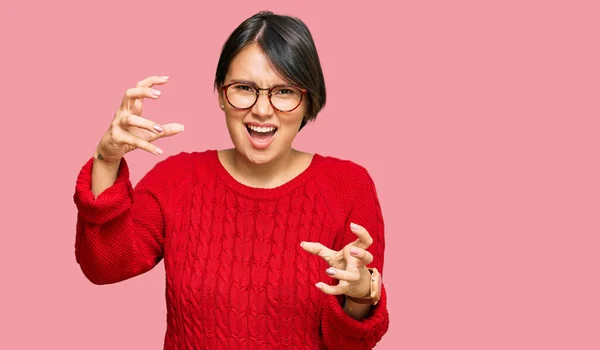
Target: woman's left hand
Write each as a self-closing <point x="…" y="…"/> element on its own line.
<point x="348" y="265"/>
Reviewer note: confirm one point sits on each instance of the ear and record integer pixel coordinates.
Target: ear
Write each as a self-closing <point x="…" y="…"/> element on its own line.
<point x="221" y="101"/>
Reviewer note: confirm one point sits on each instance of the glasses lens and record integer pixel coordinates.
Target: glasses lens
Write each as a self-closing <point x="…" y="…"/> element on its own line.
<point x="241" y="95"/>
<point x="286" y="98"/>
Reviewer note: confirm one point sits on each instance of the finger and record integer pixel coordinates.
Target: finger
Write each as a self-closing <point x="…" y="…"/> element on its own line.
<point x="137" y="93"/>
<point x="143" y="123"/>
<point x="153" y="80"/>
<point x="350" y="276"/>
<point x="124" y="137"/>
<point x="142" y="92"/>
<point x="362" y="255"/>
<point x="317" y="249"/>
<point x="340" y="289"/>
<point x="168" y="130"/>
<point x="364" y="238"/>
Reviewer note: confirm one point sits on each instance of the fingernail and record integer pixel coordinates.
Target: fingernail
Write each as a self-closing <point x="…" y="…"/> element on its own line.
<point x="182" y="127"/>
<point x="318" y="285"/>
<point x="164" y="77"/>
<point x="159" y="151"/>
<point x="156" y="92"/>
<point x="301" y="243"/>
<point x="158" y="128"/>
<point x="330" y="271"/>
<point x="354" y="226"/>
<point x="354" y="251"/>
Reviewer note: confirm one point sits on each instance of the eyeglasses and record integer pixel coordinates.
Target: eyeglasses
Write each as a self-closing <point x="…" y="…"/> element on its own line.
<point x="284" y="98"/>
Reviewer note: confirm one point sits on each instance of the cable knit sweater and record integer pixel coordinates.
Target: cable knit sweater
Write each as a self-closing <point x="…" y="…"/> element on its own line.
<point x="236" y="276"/>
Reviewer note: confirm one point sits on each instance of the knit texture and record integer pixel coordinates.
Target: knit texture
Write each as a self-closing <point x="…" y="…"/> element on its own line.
<point x="236" y="275"/>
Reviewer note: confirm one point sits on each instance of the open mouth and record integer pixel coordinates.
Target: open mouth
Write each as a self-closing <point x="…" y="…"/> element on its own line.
<point x="261" y="134"/>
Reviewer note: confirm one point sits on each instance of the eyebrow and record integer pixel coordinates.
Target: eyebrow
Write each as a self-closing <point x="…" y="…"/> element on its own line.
<point x="249" y="82"/>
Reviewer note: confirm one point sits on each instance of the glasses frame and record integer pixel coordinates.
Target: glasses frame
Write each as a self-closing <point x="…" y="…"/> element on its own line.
<point x="270" y="90"/>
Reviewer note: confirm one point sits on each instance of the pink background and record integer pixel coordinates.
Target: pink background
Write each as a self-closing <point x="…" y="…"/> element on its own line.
<point x="478" y="122"/>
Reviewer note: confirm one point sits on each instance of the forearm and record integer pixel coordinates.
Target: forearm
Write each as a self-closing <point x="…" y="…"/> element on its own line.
<point x="104" y="174"/>
<point x="342" y="331"/>
<point x="119" y="233"/>
<point x="355" y="310"/>
<point x="113" y="252"/>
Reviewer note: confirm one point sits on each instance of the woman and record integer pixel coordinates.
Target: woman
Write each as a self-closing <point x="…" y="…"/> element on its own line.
<point x="264" y="246"/>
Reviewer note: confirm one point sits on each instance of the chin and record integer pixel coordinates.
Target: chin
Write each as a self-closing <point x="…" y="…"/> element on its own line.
<point x="259" y="147"/>
<point x="260" y="143"/>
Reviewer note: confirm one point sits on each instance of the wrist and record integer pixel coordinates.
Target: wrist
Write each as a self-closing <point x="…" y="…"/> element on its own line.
<point x="104" y="174"/>
<point x="374" y="293"/>
<point x="355" y="310"/>
<point x="99" y="158"/>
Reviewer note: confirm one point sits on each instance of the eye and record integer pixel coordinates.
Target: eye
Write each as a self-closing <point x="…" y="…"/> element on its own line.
<point x="285" y="91"/>
<point x="243" y="87"/>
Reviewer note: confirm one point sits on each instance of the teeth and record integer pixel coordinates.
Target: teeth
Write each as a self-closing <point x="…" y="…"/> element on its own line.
<point x="261" y="128"/>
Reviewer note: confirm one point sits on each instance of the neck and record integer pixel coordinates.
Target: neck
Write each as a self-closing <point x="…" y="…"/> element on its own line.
<point x="267" y="175"/>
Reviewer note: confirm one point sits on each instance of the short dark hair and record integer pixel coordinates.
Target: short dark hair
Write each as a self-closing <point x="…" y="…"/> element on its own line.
<point x="289" y="46"/>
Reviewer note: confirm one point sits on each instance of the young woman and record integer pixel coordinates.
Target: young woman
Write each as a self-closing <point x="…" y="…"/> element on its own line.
<point x="264" y="246"/>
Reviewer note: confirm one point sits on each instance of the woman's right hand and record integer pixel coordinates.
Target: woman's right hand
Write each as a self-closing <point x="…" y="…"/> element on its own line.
<point x="128" y="130"/>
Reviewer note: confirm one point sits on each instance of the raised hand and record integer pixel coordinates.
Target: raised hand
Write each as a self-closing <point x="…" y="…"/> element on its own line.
<point x="348" y="265"/>
<point x="129" y="130"/>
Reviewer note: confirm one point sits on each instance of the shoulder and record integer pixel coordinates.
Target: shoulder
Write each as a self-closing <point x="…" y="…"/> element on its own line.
<point x="172" y="165"/>
<point x="178" y="169"/>
<point x="346" y="180"/>
<point x="184" y="160"/>
<point x="345" y="171"/>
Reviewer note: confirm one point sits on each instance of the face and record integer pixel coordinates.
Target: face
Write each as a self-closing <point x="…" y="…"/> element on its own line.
<point x="260" y="133"/>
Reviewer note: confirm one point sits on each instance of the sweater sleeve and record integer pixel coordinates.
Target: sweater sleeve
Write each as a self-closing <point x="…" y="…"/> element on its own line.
<point x="340" y="331"/>
<point x="119" y="235"/>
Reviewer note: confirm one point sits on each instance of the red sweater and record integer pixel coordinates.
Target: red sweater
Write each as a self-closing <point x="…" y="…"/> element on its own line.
<point x="235" y="272"/>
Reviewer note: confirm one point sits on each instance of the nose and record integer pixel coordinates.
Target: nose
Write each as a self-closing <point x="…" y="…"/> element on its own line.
<point x="262" y="108"/>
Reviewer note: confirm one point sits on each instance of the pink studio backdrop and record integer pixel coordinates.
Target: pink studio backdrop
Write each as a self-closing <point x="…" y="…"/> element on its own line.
<point x="478" y="122"/>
